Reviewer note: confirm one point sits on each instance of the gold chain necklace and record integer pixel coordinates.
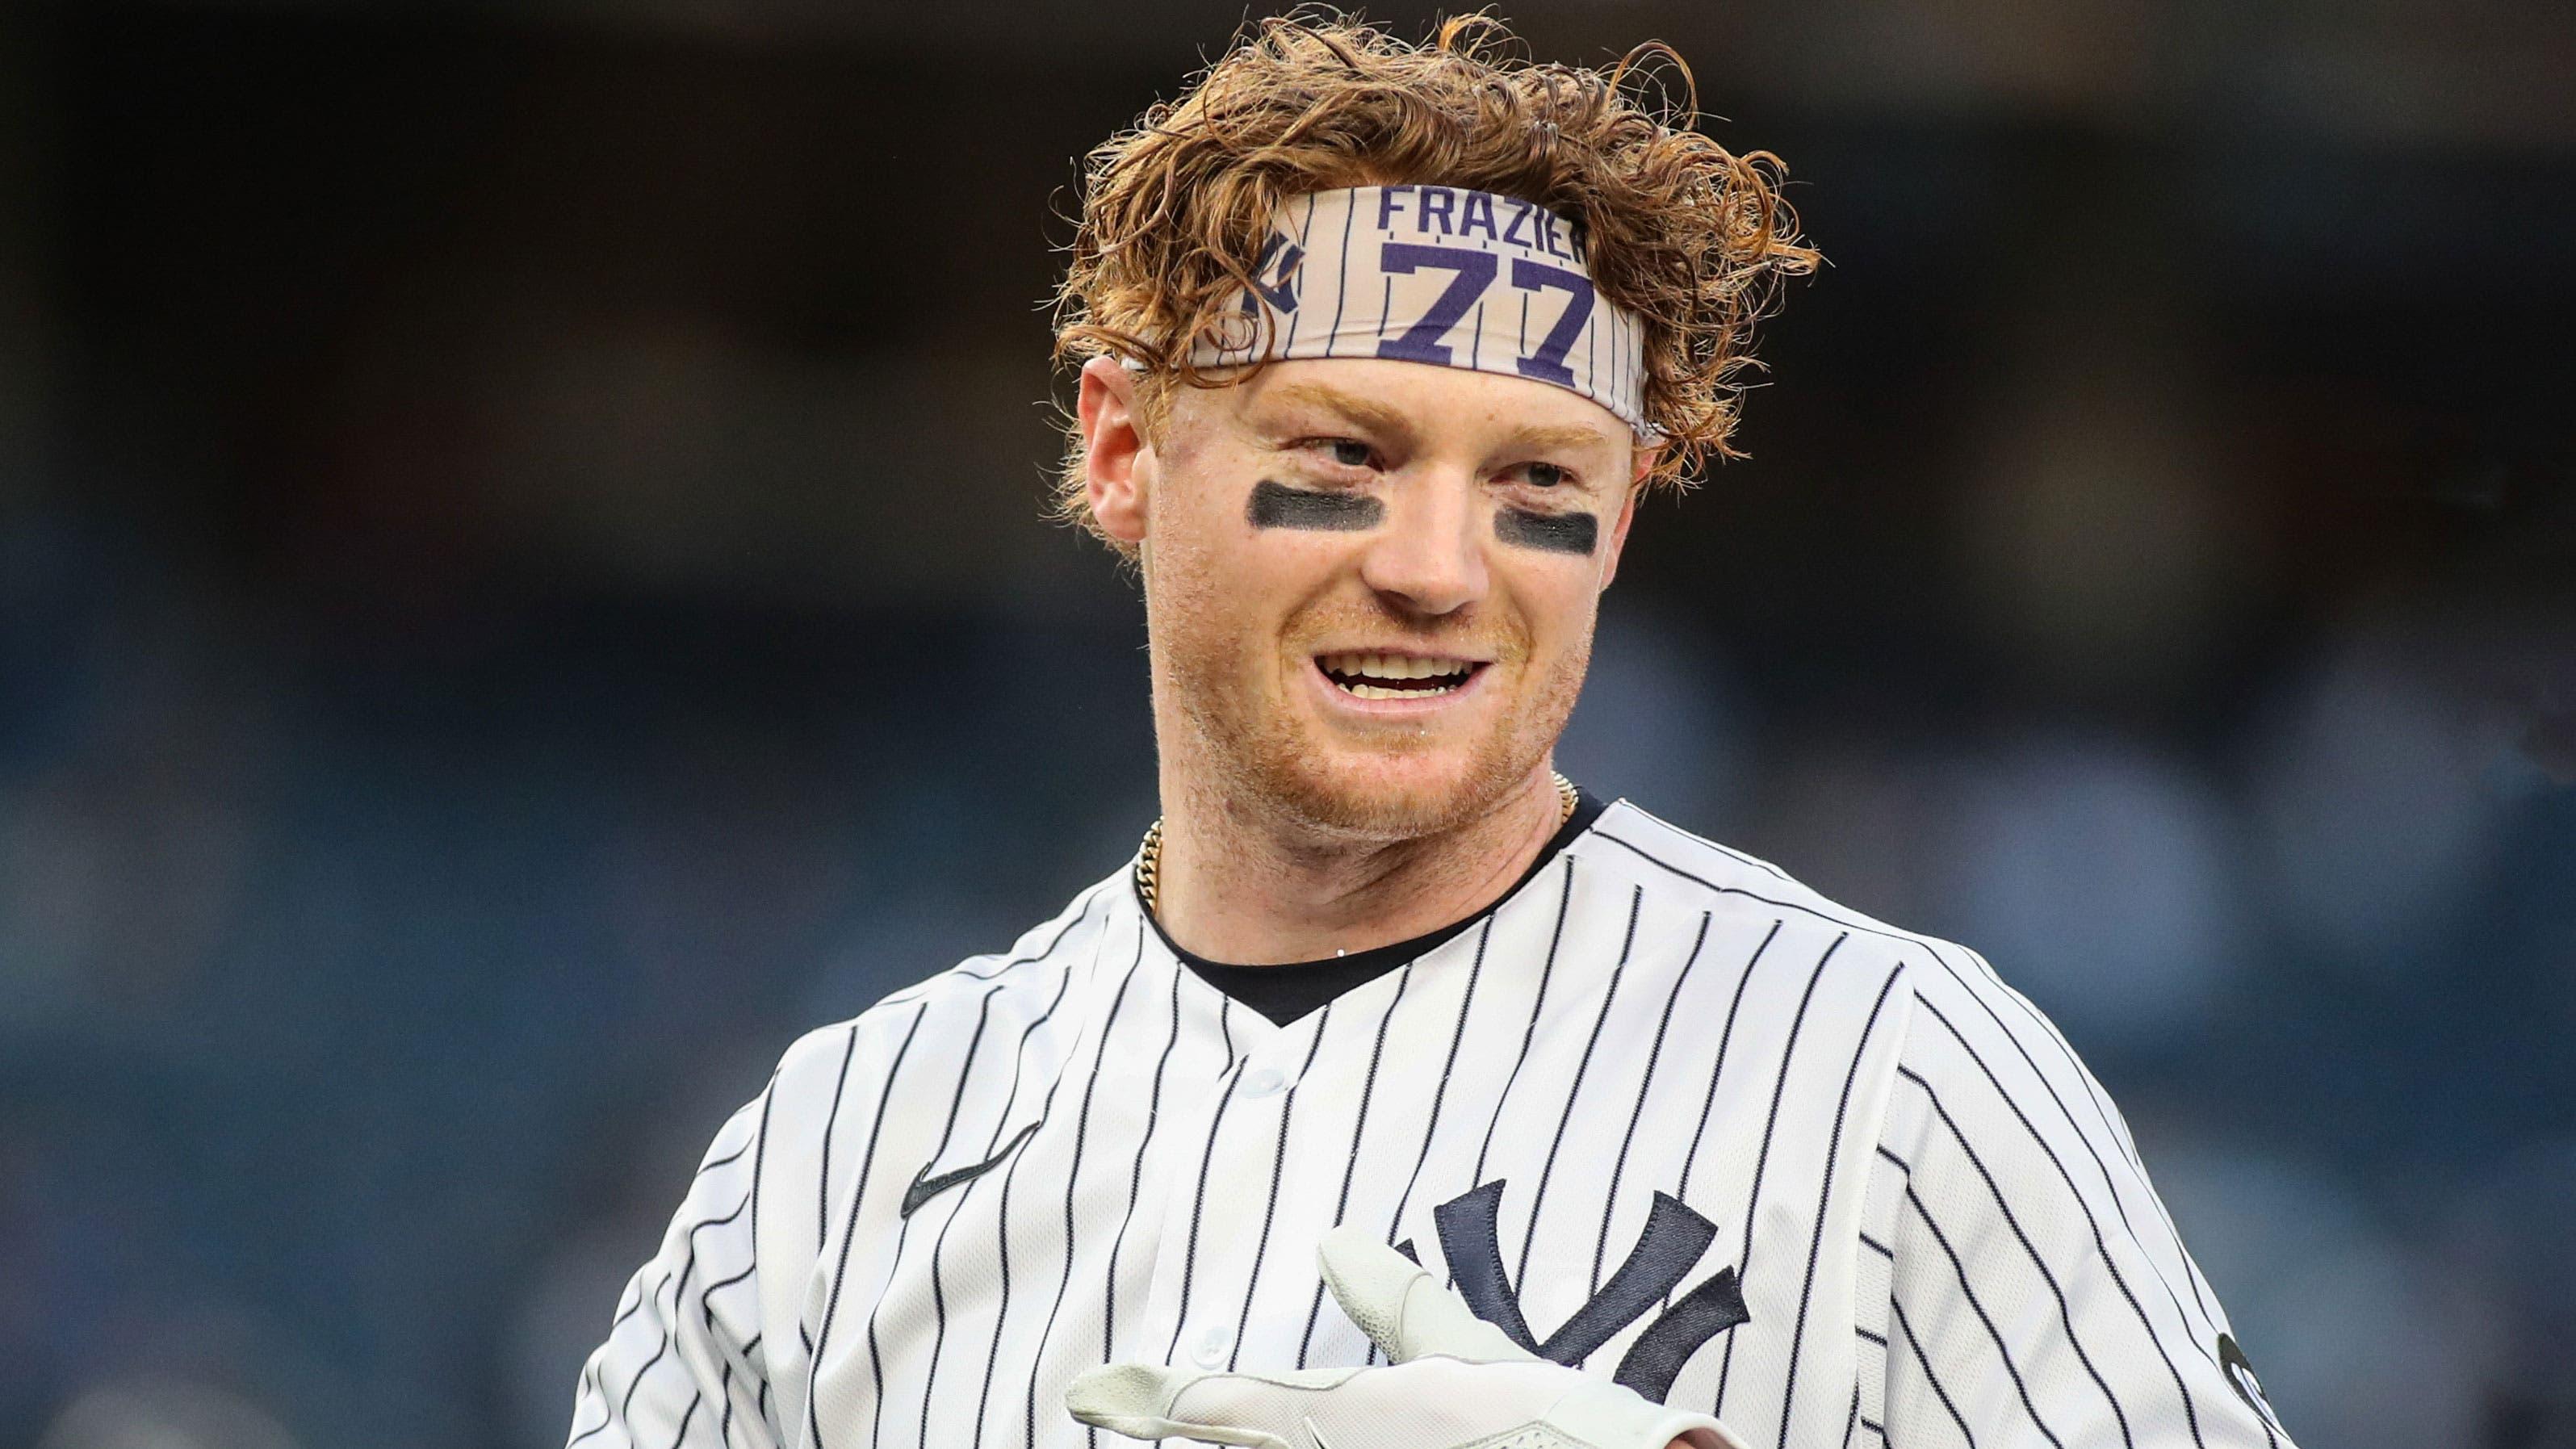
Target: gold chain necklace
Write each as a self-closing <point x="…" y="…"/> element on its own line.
<point x="1149" y="857"/>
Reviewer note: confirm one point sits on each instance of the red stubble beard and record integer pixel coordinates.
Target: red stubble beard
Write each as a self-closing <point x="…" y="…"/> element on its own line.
<point x="1268" y="755"/>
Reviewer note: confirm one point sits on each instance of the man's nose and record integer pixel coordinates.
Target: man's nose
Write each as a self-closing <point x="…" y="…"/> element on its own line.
<point x="1428" y="557"/>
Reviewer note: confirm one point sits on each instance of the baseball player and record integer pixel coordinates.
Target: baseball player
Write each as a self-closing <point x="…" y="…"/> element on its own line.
<point x="1398" y="1094"/>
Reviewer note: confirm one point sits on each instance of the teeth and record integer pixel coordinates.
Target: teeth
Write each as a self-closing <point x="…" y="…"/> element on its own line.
<point x="1391" y="666"/>
<point x="1379" y="691"/>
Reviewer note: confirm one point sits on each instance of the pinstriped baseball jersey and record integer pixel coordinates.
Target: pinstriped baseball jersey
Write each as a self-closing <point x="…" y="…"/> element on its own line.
<point x="1661" y="1113"/>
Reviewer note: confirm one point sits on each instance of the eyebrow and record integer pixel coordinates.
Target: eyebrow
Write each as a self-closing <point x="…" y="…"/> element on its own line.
<point x="1356" y="409"/>
<point x="1561" y="437"/>
<point x="1388" y="420"/>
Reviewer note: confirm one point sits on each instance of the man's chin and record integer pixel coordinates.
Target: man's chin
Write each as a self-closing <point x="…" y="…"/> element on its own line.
<point x="1381" y="799"/>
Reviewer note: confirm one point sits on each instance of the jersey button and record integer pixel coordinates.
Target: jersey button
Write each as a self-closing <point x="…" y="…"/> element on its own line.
<point x="1262" y="1081"/>
<point x="1209" y="1351"/>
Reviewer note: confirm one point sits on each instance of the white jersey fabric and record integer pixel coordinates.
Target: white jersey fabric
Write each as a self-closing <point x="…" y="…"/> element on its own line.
<point x="1663" y="1113"/>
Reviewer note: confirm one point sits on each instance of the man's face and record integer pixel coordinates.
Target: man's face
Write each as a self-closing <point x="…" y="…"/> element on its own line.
<point x="1371" y="585"/>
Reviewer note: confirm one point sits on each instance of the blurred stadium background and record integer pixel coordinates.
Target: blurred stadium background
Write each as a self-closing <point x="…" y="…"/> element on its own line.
<point x="522" y="584"/>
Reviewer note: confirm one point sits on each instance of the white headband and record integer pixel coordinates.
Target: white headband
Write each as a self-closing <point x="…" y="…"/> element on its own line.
<point x="1442" y="275"/>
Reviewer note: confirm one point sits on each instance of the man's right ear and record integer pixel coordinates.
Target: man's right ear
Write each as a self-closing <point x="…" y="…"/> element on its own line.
<point x="1112" y="443"/>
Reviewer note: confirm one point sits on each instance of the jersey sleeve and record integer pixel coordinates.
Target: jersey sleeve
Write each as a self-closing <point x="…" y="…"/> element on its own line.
<point x="684" y="1365"/>
<point x="2038" y="1294"/>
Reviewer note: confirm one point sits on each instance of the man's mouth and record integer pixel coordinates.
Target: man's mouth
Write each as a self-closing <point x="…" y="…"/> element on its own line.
<point x="1395" y="676"/>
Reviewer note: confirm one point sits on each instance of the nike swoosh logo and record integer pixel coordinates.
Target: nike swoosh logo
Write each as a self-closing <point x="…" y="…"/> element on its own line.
<point x="925" y="1187"/>
<point x="1315" y="1434"/>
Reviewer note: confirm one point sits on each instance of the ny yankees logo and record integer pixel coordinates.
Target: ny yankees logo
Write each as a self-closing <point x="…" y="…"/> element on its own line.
<point x="2240" y="1377"/>
<point x="1278" y="263"/>
<point x="1673" y="1240"/>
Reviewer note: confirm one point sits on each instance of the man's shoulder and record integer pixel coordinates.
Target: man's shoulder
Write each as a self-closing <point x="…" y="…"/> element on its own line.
<point x="1950" y="976"/>
<point x="1666" y="857"/>
<point x="1018" y="984"/>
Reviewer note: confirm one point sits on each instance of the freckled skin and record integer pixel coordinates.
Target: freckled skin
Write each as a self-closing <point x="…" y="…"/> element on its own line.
<point x="1575" y="533"/>
<point x="1263" y="765"/>
<point x="1276" y="505"/>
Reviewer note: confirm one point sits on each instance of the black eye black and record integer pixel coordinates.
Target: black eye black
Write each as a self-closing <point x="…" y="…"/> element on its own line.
<point x="1350" y="454"/>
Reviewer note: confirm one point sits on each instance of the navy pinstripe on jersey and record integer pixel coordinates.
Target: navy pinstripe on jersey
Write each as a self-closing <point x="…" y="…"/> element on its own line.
<point x="1662" y="1113"/>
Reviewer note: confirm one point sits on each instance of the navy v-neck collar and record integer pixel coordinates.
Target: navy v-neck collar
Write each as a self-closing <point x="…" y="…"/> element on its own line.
<point x="1286" y="992"/>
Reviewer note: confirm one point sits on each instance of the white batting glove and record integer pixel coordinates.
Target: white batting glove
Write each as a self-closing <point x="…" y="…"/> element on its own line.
<point x="1451" y="1380"/>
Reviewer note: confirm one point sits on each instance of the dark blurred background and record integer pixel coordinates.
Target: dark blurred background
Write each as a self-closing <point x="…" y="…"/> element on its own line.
<point x="523" y="585"/>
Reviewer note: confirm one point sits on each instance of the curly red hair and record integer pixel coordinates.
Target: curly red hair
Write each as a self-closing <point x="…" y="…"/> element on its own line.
<point x="1686" y="236"/>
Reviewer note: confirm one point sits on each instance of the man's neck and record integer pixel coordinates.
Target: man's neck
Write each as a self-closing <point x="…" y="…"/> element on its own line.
<point x="1246" y="891"/>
